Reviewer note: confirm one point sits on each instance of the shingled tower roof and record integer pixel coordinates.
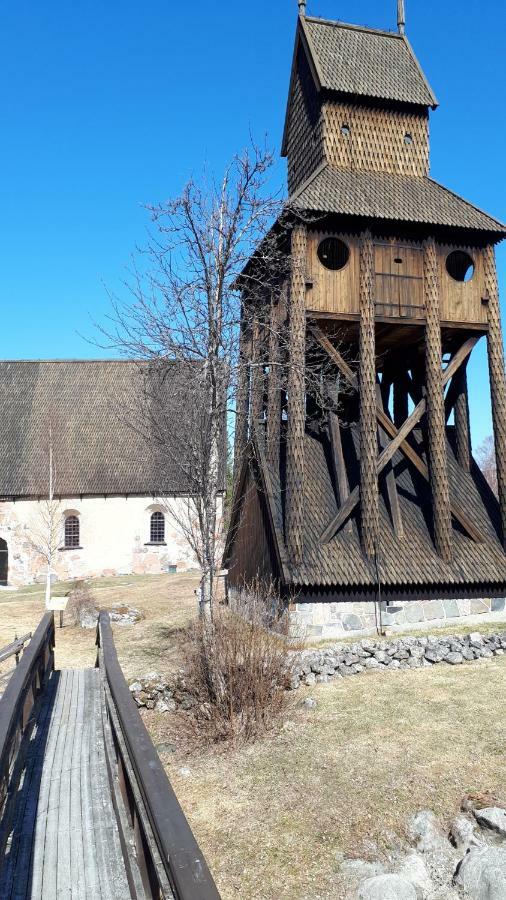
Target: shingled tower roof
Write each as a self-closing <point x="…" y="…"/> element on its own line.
<point x="353" y="60"/>
<point x="354" y="93"/>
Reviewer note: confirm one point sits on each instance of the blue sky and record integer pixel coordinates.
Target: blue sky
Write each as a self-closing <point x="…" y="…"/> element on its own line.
<point x="109" y="105"/>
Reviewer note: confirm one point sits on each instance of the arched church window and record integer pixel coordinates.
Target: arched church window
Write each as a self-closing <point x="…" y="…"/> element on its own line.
<point x="72" y="535"/>
<point x="157" y="528"/>
<point x="460" y="265"/>
<point x="333" y="253"/>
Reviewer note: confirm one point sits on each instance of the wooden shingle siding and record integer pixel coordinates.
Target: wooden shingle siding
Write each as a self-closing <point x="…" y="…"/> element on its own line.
<point x="253" y="553"/>
<point x="376" y="139"/>
<point x="305" y="142"/>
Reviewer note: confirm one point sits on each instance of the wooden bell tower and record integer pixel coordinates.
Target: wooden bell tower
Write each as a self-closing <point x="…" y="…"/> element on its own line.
<point x="393" y="282"/>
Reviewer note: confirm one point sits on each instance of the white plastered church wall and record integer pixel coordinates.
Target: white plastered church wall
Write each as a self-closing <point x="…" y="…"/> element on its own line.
<point x="114" y="538"/>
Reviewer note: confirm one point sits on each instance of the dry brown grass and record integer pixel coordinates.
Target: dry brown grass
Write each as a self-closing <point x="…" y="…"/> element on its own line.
<point x="275" y="817"/>
<point x="157" y="642"/>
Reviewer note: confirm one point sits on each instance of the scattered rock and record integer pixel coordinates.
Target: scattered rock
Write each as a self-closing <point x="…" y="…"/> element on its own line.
<point x="165" y="705"/>
<point x="492" y="817"/>
<point x="185" y="772"/>
<point x="482" y="874"/>
<point x="455" y="659"/>
<point x="476" y="638"/>
<point x="425" y="832"/>
<point x="361" y="869"/>
<point x="414" y="870"/>
<point x="309" y="703"/>
<point x="464" y="834"/>
<point x="387" y="887"/>
<point x="164" y="747"/>
<point x="89" y="620"/>
<point x="124" y="615"/>
<point x="371" y="663"/>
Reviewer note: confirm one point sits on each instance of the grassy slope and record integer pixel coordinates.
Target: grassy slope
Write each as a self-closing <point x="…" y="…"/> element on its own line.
<point x="273" y="818"/>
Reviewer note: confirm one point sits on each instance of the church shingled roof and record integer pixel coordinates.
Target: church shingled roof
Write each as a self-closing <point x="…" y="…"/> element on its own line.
<point x="364" y="62"/>
<point x="100" y="427"/>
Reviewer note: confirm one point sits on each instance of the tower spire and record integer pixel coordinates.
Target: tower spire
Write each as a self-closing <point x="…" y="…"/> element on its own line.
<point x="302" y="7"/>
<point x="401" y="17"/>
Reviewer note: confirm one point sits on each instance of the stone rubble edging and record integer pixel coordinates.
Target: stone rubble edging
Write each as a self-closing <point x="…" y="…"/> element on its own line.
<point x="155" y="691"/>
<point x="343" y="660"/>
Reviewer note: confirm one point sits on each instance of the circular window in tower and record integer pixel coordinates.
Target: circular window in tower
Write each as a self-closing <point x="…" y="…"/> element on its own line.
<point x="460" y="265"/>
<point x="333" y="253"/>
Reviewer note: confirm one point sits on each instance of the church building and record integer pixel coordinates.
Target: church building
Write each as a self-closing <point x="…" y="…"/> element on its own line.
<point x="76" y="430"/>
<point x="369" y="509"/>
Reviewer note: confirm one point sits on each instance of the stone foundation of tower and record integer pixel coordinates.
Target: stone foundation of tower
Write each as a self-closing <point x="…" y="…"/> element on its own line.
<point x="326" y="621"/>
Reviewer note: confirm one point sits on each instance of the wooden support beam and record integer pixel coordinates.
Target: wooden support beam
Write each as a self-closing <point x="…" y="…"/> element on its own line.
<point x="296" y="398"/>
<point x="369" y="495"/>
<point x="458" y="358"/>
<point x="257" y="375"/>
<point x="399" y="438"/>
<point x="393" y="497"/>
<point x="383" y="459"/>
<point x="497" y="378"/>
<point x="274" y="388"/>
<point x="340" y="473"/>
<point x="241" y="400"/>
<point x="462" y="432"/>
<point x="436" y="425"/>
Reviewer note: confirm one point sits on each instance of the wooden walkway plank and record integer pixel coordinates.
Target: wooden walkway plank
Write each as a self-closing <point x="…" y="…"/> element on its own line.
<point x="113" y="882"/>
<point x="65" y="843"/>
<point x="38" y="855"/>
<point x="92" y="888"/>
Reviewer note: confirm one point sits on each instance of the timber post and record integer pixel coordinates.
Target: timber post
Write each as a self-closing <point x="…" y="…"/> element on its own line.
<point x="241" y="402"/>
<point x="256" y="373"/>
<point x="497" y="378"/>
<point x="367" y="393"/>
<point x="461" y="412"/>
<point x="296" y="398"/>
<point x="436" y="422"/>
<point x="274" y="389"/>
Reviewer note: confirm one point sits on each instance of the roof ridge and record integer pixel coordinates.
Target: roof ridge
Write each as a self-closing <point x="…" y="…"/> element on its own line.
<point x="421" y="71"/>
<point x="77" y="361"/>
<point x="366" y="28"/>
<point x="70" y="360"/>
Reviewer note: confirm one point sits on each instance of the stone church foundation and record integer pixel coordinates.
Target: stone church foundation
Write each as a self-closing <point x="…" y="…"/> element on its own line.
<point x="339" y="620"/>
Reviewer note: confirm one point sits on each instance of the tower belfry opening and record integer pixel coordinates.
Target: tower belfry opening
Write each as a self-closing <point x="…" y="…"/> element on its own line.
<point x="391" y="283"/>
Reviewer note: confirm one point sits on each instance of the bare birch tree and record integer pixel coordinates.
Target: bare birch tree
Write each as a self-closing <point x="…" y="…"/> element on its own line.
<point x="187" y="295"/>
<point x="46" y="530"/>
<point x="182" y="305"/>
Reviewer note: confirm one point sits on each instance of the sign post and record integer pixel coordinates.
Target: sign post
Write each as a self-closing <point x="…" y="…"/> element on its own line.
<point x="59" y="604"/>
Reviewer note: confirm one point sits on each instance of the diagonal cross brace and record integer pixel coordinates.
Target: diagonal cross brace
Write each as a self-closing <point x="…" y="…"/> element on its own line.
<point x="398" y="436"/>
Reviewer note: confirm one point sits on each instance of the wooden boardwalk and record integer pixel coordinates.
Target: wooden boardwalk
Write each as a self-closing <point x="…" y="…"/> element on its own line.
<point x="64" y="840"/>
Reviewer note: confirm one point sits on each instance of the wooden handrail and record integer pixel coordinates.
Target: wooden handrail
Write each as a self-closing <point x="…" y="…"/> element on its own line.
<point x="21" y="692"/>
<point x="178" y="852"/>
<point x="14" y="648"/>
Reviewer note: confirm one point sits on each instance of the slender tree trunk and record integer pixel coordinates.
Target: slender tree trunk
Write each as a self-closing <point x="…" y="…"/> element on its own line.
<point x="50" y="522"/>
